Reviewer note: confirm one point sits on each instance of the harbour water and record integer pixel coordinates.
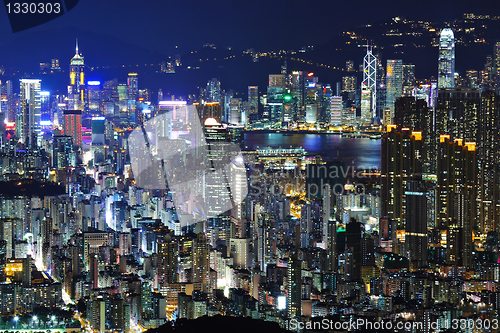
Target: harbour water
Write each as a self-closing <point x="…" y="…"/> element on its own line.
<point x="364" y="152"/>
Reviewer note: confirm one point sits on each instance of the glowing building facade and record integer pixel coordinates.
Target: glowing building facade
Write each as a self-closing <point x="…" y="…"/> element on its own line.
<point x="446" y="65"/>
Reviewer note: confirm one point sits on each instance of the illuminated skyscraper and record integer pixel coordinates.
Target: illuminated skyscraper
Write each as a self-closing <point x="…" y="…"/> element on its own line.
<point x="253" y="100"/>
<point x="133" y="86"/>
<point x="336" y="110"/>
<point x="213" y="90"/>
<point x="201" y="263"/>
<point x="446" y="65"/>
<point x="496" y="64"/>
<point x="394" y="83"/>
<point x="294" y="287"/>
<point x="29" y="123"/>
<point x="488" y="163"/>
<point x="401" y="159"/>
<point x="72" y="125"/>
<point x="168" y="257"/>
<point x="370" y="79"/>
<point x="416" y="222"/>
<point x="94" y="95"/>
<point x="366" y="111"/>
<point x="76" y="87"/>
<point x="408" y="79"/>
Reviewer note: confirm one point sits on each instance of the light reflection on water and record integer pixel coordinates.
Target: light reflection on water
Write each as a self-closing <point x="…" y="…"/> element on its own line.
<point x="364" y="152"/>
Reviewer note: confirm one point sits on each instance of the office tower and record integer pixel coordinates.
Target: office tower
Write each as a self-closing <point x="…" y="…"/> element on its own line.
<point x="72" y="125"/>
<point x="277" y="81"/>
<point x="408" y="79"/>
<point x="348" y="116"/>
<point x="76" y="88"/>
<point x="348" y="93"/>
<point x="29" y="123"/>
<point x="218" y="153"/>
<point x="394" y="82"/>
<point x="206" y="110"/>
<point x="253" y="101"/>
<point x="160" y="95"/>
<point x="8" y="88"/>
<point x="289" y="107"/>
<point x="122" y="90"/>
<point x="446" y="61"/>
<point x="225" y="103"/>
<point x="45" y="110"/>
<point x="213" y="91"/>
<point x="349" y="66"/>
<point x="239" y="179"/>
<point x="325" y="94"/>
<point x="178" y="110"/>
<point x="416" y="222"/>
<point x="488" y="163"/>
<point x="366" y="111"/>
<point x="133" y="86"/>
<point x="55" y="65"/>
<point x="297" y="92"/>
<point x="336" y="110"/>
<point x="370" y="80"/>
<point x="94" y="95"/>
<point x="294" y="287"/>
<point x="312" y="99"/>
<point x="235" y="112"/>
<point x="311" y="113"/>
<point x="275" y="92"/>
<point x="349" y="83"/>
<point x="98" y="127"/>
<point x="401" y="159"/>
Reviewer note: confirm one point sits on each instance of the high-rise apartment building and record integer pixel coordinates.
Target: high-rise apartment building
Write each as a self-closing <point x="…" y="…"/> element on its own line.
<point x="416" y="222"/>
<point x="29" y="122"/>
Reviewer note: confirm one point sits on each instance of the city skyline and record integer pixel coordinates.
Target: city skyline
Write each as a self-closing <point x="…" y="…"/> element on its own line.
<point x="261" y="186"/>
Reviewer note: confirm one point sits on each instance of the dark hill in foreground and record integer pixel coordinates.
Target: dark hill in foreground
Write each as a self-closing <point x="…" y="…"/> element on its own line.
<point x="220" y="324"/>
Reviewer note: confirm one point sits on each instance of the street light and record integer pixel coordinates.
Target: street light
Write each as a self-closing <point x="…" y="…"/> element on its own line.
<point x="16" y="319"/>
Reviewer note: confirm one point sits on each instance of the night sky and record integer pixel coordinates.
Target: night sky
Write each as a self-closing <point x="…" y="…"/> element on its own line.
<point x="160" y="25"/>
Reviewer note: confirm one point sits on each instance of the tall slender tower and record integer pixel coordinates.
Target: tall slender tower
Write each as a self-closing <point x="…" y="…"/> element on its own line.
<point x="76" y="87"/>
<point x="370" y="78"/>
<point x="446" y="65"/>
<point x="29" y="122"/>
<point x="394" y="83"/>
